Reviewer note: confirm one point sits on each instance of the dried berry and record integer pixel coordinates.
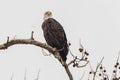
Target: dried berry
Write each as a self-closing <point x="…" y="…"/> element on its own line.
<point x="119" y="67"/>
<point x="104" y="71"/>
<point x="90" y="72"/>
<point x="119" y="78"/>
<point x="114" y="71"/>
<point x="117" y="63"/>
<point x="100" y="74"/>
<point x="73" y="65"/>
<point x="101" y="67"/>
<point x="105" y="78"/>
<point x="69" y="44"/>
<point x="86" y="53"/>
<point x="115" y="66"/>
<point x="86" y="58"/>
<point x="81" y="49"/>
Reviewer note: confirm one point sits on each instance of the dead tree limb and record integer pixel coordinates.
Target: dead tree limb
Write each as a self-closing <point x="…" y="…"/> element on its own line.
<point x="39" y="44"/>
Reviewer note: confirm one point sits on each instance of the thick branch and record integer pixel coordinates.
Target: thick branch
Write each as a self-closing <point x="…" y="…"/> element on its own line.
<point x="26" y="41"/>
<point x="68" y="71"/>
<point x="39" y="44"/>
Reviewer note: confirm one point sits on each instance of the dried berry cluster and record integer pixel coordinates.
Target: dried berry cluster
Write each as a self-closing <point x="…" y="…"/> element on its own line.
<point x="116" y="71"/>
<point x="85" y="54"/>
<point x="101" y="72"/>
<point x="84" y="58"/>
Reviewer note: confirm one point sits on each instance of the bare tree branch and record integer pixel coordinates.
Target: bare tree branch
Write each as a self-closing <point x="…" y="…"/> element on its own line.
<point x="68" y="71"/>
<point x="39" y="44"/>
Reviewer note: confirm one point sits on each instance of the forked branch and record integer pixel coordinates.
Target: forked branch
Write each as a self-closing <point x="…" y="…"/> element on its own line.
<point x="39" y="44"/>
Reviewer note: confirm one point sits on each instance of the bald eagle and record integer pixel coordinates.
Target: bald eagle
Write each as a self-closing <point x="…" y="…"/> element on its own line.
<point x="55" y="35"/>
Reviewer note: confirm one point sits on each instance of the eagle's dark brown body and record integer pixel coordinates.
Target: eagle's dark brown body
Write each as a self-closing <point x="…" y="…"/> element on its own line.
<point x="55" y="36"/>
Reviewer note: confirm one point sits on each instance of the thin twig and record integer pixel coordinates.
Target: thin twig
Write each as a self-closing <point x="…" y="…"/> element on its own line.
<point x="91" y="67"/>
<point x="83" y="65"/>
<point x="44" y="53"/>
<point x="71" y="53"/>
<point x="97" y="68"/>
<point x="82" y="75"/>
<point x="72" y="61"/>
<point x="32" y="35"/>
<point x="25" y="74"/>
<point x="7" y="39"/>
<point x="37" y="78"/>
<point x="117" y="61"/>
<point x="11" y="77"/>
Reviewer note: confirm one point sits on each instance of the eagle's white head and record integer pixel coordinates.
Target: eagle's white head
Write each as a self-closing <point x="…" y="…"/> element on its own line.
<point x="47" y="15"/>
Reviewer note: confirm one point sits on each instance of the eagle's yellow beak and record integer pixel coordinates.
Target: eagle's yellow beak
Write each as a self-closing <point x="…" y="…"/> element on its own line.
<point x="48" y="13"/>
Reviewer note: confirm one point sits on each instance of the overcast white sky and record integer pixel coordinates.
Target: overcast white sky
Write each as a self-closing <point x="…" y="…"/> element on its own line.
<point x="95" y="22"/>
